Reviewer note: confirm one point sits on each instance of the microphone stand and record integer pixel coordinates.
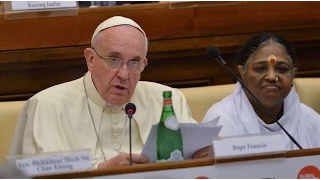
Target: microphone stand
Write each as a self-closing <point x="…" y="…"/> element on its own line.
<point x="130" y="110"/>
<point x="130" y="139"/>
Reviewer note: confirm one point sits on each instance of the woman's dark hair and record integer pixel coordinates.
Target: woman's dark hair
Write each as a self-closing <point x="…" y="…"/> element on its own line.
<point x="252" y="45"/>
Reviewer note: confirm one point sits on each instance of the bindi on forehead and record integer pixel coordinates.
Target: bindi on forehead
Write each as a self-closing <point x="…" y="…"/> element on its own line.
<point x="272" y="59"/>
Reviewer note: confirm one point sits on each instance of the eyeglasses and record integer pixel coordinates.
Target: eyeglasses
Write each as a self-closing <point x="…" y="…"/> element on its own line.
<point x="134" y="66"/>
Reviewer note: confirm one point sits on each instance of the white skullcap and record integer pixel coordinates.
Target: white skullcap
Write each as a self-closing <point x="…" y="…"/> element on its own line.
<point x="116" y="21"/>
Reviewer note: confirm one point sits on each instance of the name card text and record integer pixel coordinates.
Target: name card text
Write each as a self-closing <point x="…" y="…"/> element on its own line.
<point x="38" y="5"/>
<point x="248" y="145"/>
<point x="53" y="164"/>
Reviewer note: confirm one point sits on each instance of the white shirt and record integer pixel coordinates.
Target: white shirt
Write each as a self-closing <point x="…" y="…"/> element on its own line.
<point x="58" y="119"/>
<point x="238" y="117"/>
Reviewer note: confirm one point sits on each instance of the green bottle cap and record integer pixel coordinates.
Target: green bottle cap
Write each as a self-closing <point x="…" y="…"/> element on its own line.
<point x="167" y="94"/>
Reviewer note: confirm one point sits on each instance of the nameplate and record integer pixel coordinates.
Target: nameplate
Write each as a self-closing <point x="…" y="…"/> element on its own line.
<point x="58" y="163"/>
<point x="238" y="146"/>
<point x="40" y="5"/>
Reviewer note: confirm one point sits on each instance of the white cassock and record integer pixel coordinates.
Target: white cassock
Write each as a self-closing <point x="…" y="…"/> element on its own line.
<point x="238" y="117"/>
<point x="58" y="119"/>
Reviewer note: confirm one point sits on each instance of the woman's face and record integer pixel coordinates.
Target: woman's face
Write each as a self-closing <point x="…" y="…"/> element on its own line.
<point x="269" y="74"/>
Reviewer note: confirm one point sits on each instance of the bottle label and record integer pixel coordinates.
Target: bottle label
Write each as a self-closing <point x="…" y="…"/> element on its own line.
<point x="172" y="123"/>
<point x="176" y="155"/>
<point x="167" y="102"/>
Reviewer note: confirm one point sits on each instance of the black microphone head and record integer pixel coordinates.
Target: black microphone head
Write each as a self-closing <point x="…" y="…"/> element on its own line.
<point x="213" y="52"/>
<point x="130" y="108"/>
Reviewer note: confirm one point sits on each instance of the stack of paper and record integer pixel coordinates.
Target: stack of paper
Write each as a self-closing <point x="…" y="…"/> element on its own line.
<point x="195" y="137"/>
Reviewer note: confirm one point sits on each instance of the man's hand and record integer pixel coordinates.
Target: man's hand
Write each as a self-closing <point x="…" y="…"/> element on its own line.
<point x="203" y="153"/>
<point x="123" y="159"/>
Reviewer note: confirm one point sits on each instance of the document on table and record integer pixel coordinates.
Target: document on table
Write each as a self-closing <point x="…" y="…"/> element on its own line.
<point x="195" y="137"/>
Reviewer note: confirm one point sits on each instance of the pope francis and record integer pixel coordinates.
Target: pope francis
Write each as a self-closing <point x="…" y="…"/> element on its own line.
<point x="88" y="113"/>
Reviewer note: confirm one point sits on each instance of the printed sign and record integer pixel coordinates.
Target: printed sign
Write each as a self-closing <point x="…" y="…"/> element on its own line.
<point x="248" y="145"/>
<point x="275" y="168"/>
<point x="309" y="172"/>
<point x="38" y="5"/>
<point x="34" y="166"/>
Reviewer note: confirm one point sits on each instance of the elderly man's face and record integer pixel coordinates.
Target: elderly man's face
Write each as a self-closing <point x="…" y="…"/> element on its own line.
<point x="116" y="86"/>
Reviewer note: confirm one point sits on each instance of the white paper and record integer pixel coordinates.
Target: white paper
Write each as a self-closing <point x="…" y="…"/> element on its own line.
<point x="195" y="137"/>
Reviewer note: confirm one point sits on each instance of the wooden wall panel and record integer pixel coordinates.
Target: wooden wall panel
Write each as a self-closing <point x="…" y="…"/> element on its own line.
<point x="40" y="52"/>
<point x="1" y="8"/>
<point x="160" y="22"/>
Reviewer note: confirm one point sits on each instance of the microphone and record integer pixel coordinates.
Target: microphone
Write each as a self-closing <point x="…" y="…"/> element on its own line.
<point x="130" y="110"/>
<point x="213" y="52"/>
